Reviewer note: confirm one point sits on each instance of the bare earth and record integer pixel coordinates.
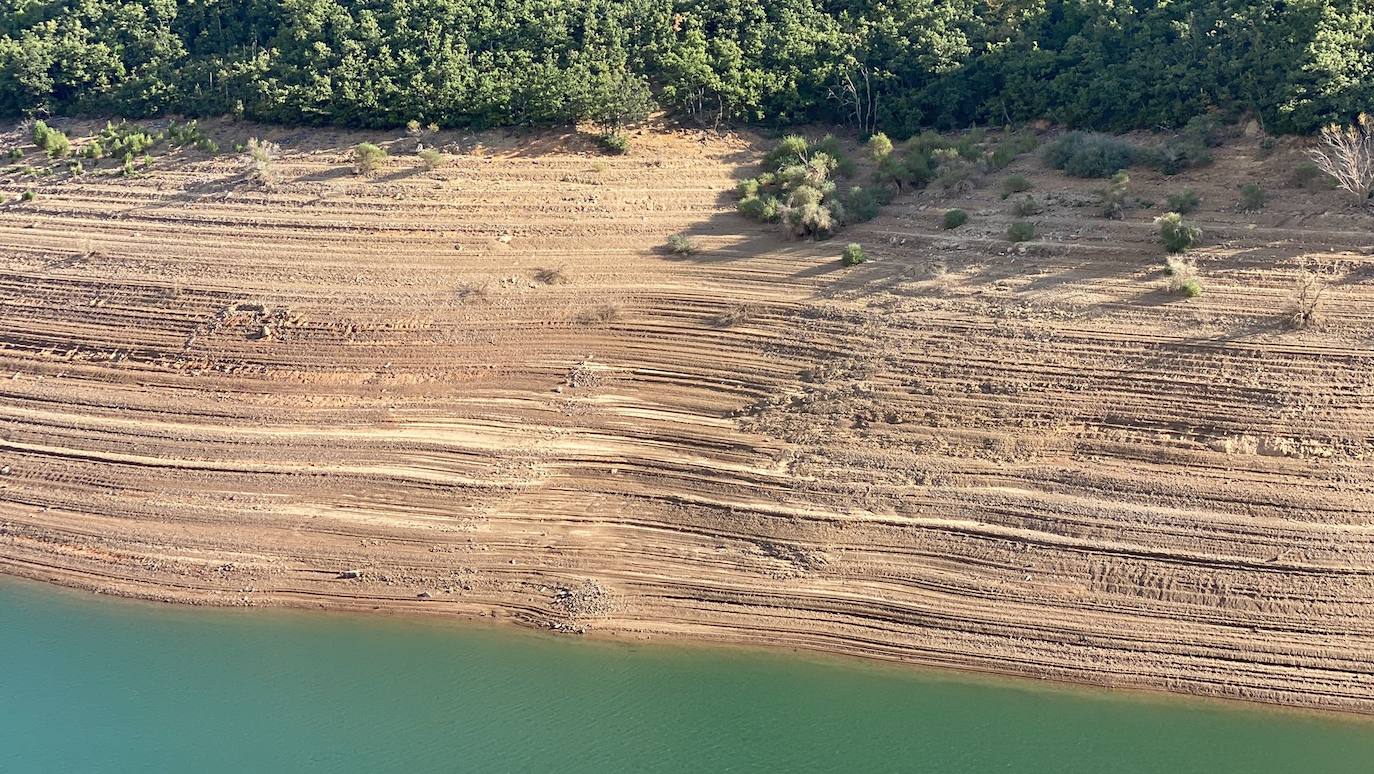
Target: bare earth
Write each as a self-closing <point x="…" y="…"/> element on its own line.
<point x="487" y="391"/>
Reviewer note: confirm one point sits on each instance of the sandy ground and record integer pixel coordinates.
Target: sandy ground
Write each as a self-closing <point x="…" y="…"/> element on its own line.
<point x="486" y="390"/>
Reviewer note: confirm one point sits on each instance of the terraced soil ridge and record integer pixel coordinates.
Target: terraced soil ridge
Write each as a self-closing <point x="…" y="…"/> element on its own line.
<point x="486" y="390"/>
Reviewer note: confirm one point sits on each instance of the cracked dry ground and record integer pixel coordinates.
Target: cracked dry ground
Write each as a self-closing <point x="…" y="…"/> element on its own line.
<point x="486" y="391"/>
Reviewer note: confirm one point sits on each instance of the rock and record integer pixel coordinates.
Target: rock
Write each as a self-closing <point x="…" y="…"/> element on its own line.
<point x="1252" y="128"/>
<point x="350" y="574"/>
<point x="424" y="595"/>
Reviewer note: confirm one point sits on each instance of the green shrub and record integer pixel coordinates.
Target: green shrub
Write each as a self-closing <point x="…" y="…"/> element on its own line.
<point x="803" y="192"/>
<point x="51" y="141"/>
<point x="16" y="153"/>
<point x="1011" y="146"/>
<point x="1025" y="207"/>
<point x="430" y="157"/>
<point x="679" y="244"/>
<point x="952" y="171"/>
<point x="28" y="195"/>
<point x="1183" y="277"/>
<point x="119" y="140"/>
<point x="1184" y="201"/>
<point x="763" y="208"/>
<point x="1177" y="155"/>
<point x="1021" y="231"/>
<point x="862" y="204"/>
<point x="1014" y="185"/>
<point x="1086" y="154"/>
<point x="1310" y="177"/>
<point x="954" y="219"/>
<point x="1113" y="203"/>
<point x="793" y="149"/>
<point x="1177" y="234"/>
<point x="853" y="254"/>
<point x="93" y="150"/>
<point x="614" y="143"/>
<point x="1252" y="198"/>
<point x="810" y="220"/>
<point x="879" y="147"/>
<point x="831" y="147"/>
<point x="367" y="158"/>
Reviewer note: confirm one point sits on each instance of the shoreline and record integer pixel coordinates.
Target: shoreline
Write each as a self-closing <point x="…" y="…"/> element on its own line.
<point x="427" y="613"/>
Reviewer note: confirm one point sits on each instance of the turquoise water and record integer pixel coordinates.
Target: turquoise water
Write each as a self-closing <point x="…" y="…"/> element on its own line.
<point x="89" y="684"/>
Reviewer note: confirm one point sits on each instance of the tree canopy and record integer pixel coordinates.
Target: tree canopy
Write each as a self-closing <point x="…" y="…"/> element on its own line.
<point x="896" y="65"/>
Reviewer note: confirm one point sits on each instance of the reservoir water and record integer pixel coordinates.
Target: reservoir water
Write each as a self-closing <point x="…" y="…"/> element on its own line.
<point x="91" y="684"/>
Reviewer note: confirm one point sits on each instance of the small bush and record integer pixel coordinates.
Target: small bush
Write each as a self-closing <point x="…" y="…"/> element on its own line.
<point x="1021" y="231"/>
<point x="93" y="150"/>
<point x="367" y="158"/>
<point x="679" y="244"/>
<point x="740" y="313"/>
<point x="954" y="219"/>
<point x="853" y="254"/>
<point x="862" y="204"/>
<point x="1251" y="198"/>
<point x="16" y="153"/>
<point x="1011" y="146"/>
<point x="764" y="208"/>
<point x="551" y="276"/>
<point x="1184" y="201"/>
<point x="1113" y="203"/>
<point x="51" y="141"/>
<point x="1014" y="185"/>
<point x="28" y="195"/>
<point x="123" y="139"/>
<point x="598" y="315"/>
<point x="430" y="157"/>
<point x="1304" y="300"/>
<point x="1177" y="155"/>
<point x="259" y="162"/>
<point x="953" y="171"/>
<point x="794" y="149"/>
<point x="1177" y="234"/>
<point x="1310" y="177"/>
<point x="1086" y="154"/>
<point x="1025" y="207"/>
<point x="1183" y="277"/>
<point x="614" y="143"/>
<point x="878" y="147"/>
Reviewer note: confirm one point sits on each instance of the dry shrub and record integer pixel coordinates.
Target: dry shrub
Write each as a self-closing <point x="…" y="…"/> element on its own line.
<point x="472" y="293"/>
<point x="1346" y="153"/>
<point x="1183" y="277"/>
<point x="1305" y="300"/>
<point x="259" y="162"/>
<point x="735" y="315"/>
<point x="554" y="276"/>
<point x="598" y="315"/>
<point x="679" y="244"/>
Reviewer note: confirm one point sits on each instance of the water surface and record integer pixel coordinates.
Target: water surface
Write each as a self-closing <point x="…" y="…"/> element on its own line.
<point x="91" y="684"/>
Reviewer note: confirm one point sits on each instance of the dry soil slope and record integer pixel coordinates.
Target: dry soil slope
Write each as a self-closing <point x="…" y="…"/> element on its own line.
<point x="484" y="391"/>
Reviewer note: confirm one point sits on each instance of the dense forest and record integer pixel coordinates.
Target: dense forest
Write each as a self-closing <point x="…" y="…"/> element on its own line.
<point x="895" y="65"/>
